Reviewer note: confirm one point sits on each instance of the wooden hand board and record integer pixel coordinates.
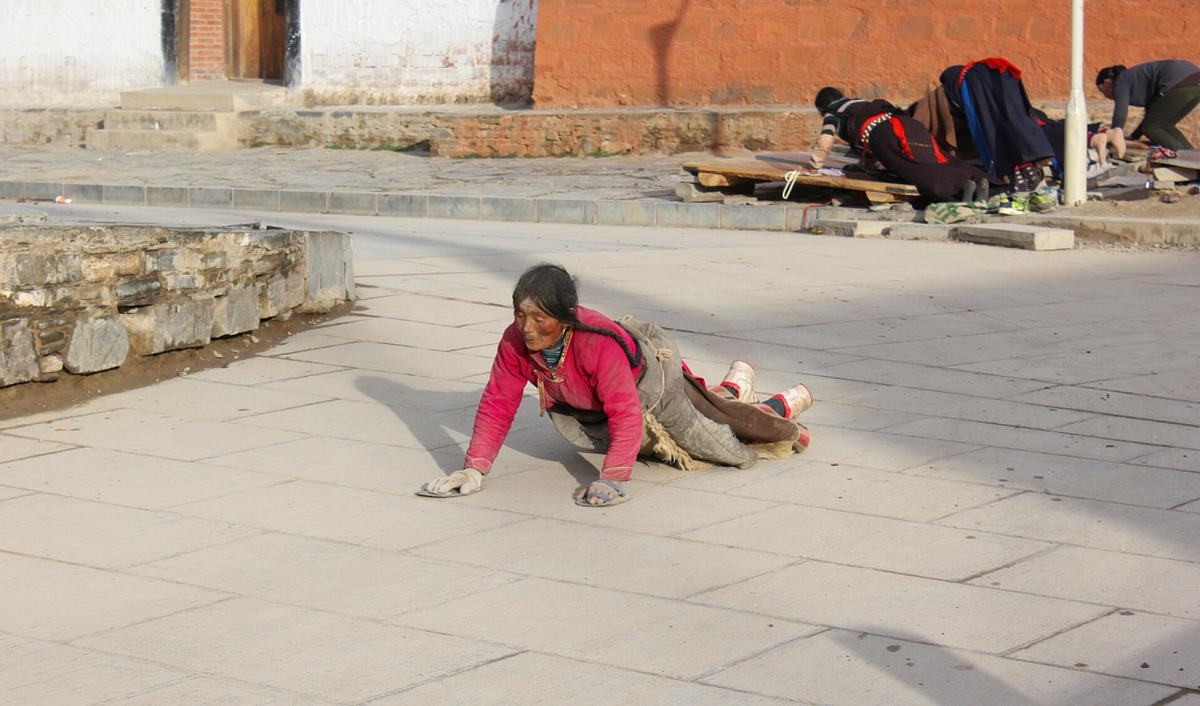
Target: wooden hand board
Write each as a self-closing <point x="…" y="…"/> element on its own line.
<point x="731" y="172"/>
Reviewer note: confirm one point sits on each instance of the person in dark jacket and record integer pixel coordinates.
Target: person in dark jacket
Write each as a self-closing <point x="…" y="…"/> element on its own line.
<point x="989" y="97"/>
<point x="1168" y="90"/>
<point x="879" y="131"/>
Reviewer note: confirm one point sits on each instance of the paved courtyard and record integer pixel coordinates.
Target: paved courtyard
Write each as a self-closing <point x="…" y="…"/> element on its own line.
<point x="1001" y="504"/>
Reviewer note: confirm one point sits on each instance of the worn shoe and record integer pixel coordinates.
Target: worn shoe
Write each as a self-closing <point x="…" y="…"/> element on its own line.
<point x="740" y="381"/>
<point x="795" y="400"/>
<point x="1042" y="202"/>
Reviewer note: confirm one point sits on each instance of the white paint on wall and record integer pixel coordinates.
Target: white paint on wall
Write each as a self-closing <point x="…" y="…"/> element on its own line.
<point x="417" y="51"/>
<point x="77" y="52"/>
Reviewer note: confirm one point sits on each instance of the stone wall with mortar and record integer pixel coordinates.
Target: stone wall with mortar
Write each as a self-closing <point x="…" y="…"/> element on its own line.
<point x="416" y="51"/>
<point x="66" y="52"/>
<point x="605" y="53"/>
<point x="84" y="299"/>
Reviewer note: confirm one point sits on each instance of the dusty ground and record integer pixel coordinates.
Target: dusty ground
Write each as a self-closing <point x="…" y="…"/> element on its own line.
<point x="69" y="390"/>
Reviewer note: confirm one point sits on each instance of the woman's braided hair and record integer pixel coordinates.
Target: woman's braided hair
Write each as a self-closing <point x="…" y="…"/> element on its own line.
<point x="552" y="289"/>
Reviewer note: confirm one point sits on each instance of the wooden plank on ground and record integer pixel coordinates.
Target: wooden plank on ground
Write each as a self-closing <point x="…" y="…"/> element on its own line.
<point x="760" y="170"/>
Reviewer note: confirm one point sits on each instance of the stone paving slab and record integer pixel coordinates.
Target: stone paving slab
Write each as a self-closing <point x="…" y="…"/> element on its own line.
<point x="875" y="542"/>
<point x="52" y="612"/>
<point x="362" y="517"/>
<point x="534" y="678"/>
<point x="926" y="610"/>
<point x="1065" y="475"/>
<point x="168" y="437"/>
<point x="208" y="691"/>
<point x="368" y="583"/>
<point x="15" y="447"/>
<point x="132" y="480"/>
<point x="1090" y="523"/>
<point x="310" y="652"/>
<point x="1111" y="578"/>
<point x="674" y="568"/>
<point x="37" y="672"/>
<point x="672" y="638"/>
<point x="847" y="668"/>
<point x="1127" y="644"/>
<point x="852" y="489"/>
<point x="101" y="535"/>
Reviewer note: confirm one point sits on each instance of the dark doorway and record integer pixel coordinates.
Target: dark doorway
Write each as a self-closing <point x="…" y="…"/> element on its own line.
<point x="256" y="39"/>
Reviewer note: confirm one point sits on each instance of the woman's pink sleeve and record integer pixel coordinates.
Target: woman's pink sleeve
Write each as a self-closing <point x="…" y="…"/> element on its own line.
<point x="617" y="391"/>
<point x="497" y="408"/>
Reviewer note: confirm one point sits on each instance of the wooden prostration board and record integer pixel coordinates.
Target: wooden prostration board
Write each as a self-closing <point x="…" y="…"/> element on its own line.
<point x="733" y="171"/>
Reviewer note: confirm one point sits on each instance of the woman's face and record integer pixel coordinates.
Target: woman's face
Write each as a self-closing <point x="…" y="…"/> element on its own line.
<point x="1106" y="88"/>
<point x="540" y="329"/>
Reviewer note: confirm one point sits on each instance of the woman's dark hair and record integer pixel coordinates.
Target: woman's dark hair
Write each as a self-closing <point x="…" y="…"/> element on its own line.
<point x="825" y="98"/>
<point x="1109" y="72"/>
<point x="552" y="289"/>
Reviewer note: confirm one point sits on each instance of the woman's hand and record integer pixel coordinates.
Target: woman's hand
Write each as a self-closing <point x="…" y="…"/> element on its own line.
<point x="466" y="481"/>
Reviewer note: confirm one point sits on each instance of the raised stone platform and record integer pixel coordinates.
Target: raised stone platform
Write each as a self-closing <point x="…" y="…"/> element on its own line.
<point x="85" y="298"/>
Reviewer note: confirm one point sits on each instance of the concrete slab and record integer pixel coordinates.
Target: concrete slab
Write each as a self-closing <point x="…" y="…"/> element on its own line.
<point x="853" y="228"/>
<point x="1017" y="236"/>
<point x="130" y="479"/>
<point x="947" y="614"/>
<point x="209" y="691"/>
<point x="106" y="536"/>
<point x="881" y="451"/>
<point x="1064" y="475"/>
<point x="387" y="358"/>
<point x="1105" y="577"/>
<point x="863" y="490"/>
<point x="873" y="542"/>
<point x="168" y="437"/>
<point x="532" y="678"/>
<point x="1090" y="523"/>
<point x="37" y="672"/>
<point x="1021" y="439"/>
<point x="14" y="447"/>
<point x="311" y="652"/>
<point x="845" y="668"/>
<point x="359" y="517"/>
<point x="368" y="583"/>
<point x="550" y="549"/>
<point x="1126" y="644"/>
<point x="53" y="611"/>
<point x="673" y="638"/>
<point x="255" y="371"/>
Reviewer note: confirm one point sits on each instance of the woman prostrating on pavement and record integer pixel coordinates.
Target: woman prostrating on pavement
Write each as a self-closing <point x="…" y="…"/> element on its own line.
<point x="620" y="389"/>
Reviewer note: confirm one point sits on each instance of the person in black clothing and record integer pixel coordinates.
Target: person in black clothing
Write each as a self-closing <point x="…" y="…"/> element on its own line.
<point x="989" y="97"/>
<point x="1168" y="90"/>
<point x="880" y="131"/>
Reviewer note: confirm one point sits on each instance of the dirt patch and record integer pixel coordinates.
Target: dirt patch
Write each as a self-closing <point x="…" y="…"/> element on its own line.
<point x="138" y="371"/>
<point x="1152" y="206"/>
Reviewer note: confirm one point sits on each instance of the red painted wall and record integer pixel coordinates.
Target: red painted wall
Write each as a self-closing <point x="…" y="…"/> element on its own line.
<point x="603" y="53"/>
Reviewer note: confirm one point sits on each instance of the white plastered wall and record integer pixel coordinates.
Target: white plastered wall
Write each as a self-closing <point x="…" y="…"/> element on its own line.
<point x="78" y="52"/>
<point x="416" y="51"/>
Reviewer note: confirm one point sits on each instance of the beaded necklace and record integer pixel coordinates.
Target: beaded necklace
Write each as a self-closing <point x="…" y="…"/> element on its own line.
<point x="552" y="373"/>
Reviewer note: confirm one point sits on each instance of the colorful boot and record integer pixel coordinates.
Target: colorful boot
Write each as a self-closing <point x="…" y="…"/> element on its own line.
<point x="791" y="402"/>
<point x="739" y="382"/>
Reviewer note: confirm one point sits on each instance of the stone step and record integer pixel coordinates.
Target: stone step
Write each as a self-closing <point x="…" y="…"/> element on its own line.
<point x="230" y="96"/>
<point x="203" y="120"/>
<point x="161" y="140"/>
<point x="1015" y="235"/>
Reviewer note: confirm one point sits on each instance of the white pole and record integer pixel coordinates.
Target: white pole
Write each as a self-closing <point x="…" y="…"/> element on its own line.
<point x="1075" y="169"/>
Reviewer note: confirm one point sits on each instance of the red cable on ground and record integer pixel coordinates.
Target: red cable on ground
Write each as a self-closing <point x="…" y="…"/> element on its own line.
<point x="804" y="214"/>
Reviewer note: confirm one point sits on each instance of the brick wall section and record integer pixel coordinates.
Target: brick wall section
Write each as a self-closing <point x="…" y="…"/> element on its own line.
<point x="206" y="51"/>
<point x="603" y="53"/>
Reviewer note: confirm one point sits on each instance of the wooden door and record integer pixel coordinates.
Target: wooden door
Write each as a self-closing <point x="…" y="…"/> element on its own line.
<point x="255" y="31"/>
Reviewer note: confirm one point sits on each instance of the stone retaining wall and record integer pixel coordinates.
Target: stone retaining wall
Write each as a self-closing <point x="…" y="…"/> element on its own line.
<point x="84" y="299"/>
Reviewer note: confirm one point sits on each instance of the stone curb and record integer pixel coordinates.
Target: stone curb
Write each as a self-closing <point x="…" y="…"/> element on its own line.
<point x="418" y="205"/>
<point x="665" y="214"/>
